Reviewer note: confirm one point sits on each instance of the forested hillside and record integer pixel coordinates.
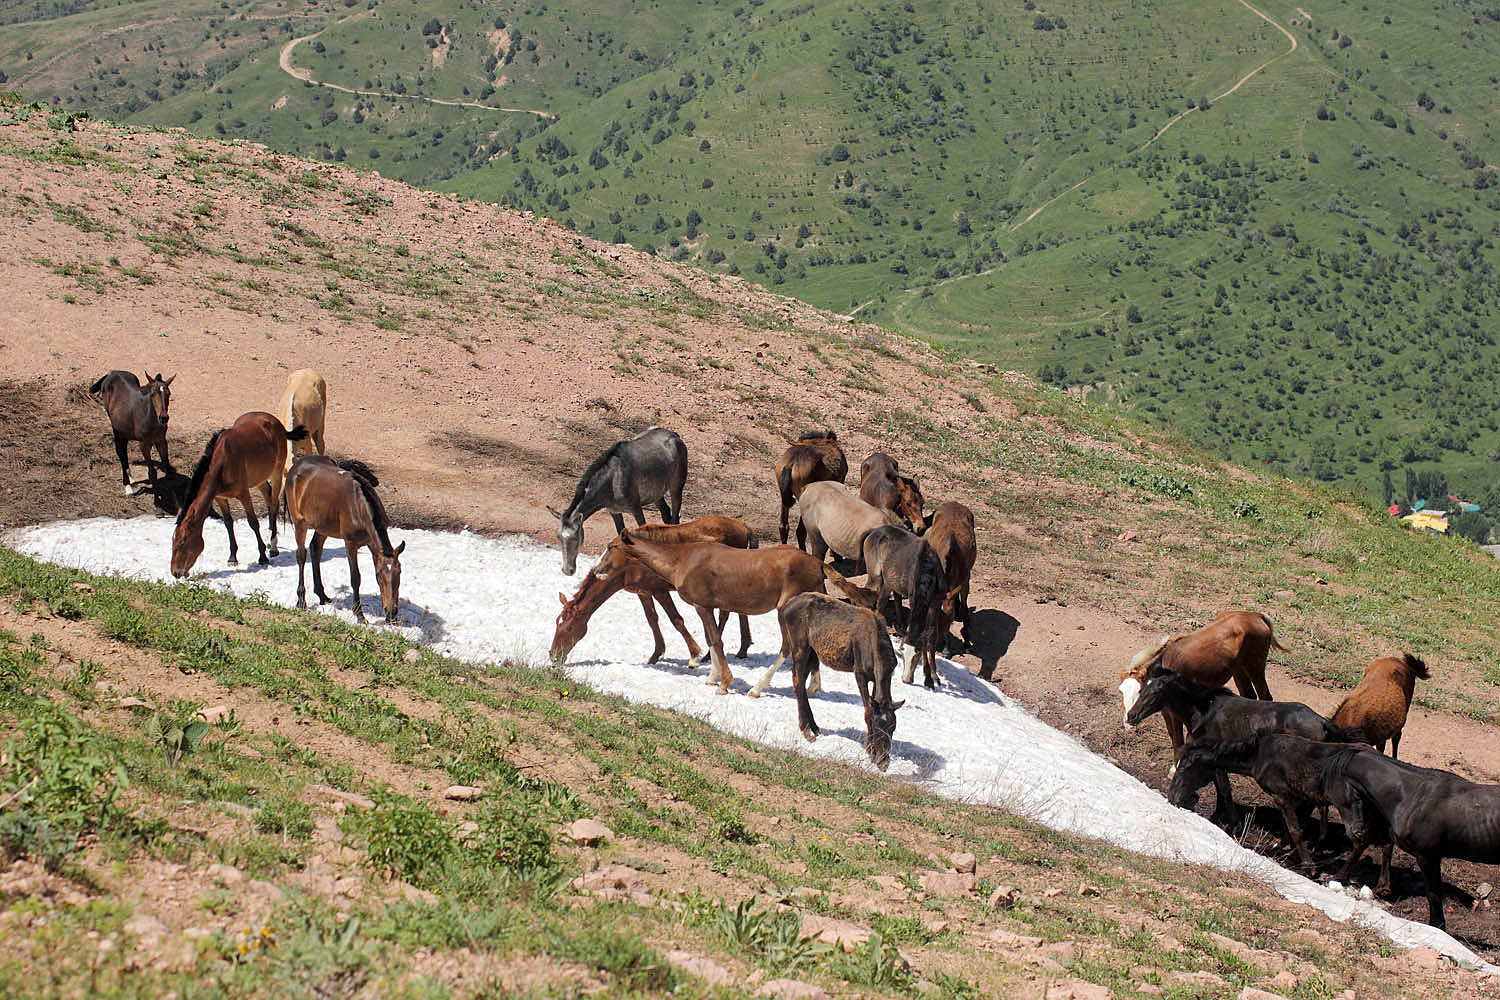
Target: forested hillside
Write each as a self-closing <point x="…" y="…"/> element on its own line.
<point x="1271" y="228"/>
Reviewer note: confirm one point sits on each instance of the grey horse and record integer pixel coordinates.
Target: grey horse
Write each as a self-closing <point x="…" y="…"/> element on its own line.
<point x="650" y="468"/>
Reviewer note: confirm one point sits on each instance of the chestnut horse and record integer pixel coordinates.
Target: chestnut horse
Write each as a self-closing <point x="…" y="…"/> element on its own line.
<point x="304" y="403"/>
<point x="136" y="414"/>
<point x="338" y="500"/>
<point x="711" y="576"/>
<point x="814" y="457"/>
<point x="652" y="589"/>
<point x="881" y="484"/>
<point x="249" y="453"/>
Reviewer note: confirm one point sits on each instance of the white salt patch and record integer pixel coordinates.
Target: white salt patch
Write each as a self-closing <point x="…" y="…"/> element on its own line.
<point x="486" y="600"/>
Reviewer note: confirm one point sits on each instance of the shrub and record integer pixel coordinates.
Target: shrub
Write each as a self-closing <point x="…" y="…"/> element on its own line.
<point x="403" y="838"/>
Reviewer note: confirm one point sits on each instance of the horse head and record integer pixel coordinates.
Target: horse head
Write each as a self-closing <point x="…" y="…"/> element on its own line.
<point x="909" y="503"/>
<point x="1151" y="697"/>
<point x="187" y="546"/>
<point x="882" y="729"/>
<point x="388" y="574"/>
<point x="570" y="628"/>
<point x="158" y="391"/>
<point x="569" y="537"/>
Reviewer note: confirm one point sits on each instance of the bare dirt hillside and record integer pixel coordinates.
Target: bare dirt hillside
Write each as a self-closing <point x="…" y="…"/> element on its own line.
<point x="480" y="359"/>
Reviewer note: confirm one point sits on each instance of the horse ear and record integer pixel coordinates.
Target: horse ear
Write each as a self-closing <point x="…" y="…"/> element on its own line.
<point x="626" y="538"/>
<point x="401" y="548"/>
<point x="555" y="512"/>
<point x="561" y="599"/>
<point x="169" y="381"/>
<point x="897" y="704"/>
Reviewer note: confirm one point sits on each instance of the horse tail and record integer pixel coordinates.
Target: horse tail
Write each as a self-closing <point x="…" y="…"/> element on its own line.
<point x="1416" y="666"/>
<point x="751" y="542"/>
<point x="784" y="484"/>
<point x="929" y="569"/>
<point x="359" y="470"/>
<point x="98" y="386"/>
<point x="297" y="433"/>
<point x="200" y="473"/>
<point x="1271" y="634"/>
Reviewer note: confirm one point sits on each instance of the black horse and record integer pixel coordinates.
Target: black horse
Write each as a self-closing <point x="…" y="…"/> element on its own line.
<point x="136" y="414"/>
<point x="1214" y="715"/>
<point x="901" y="565"/>
<point x="650" y="468"/>
<point x="1430" y="814"/>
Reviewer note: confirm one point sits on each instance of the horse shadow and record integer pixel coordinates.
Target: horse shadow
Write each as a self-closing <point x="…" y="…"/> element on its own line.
<point x="992" y="631"/>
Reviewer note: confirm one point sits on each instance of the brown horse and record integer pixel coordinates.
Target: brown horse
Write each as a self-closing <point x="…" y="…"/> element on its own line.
<point x="816" y="628"/>
<point x="881" y="484"/>
<point x="652" y="589"/>
<point x="338" y="500"/>
<point x="950" y="532"/>
<point x="249" y="453"/>
<point x="814" y="457"/>
<point x="136" y="414"/>
<point x="304" y="403"/>
<point x="712" y="576"/>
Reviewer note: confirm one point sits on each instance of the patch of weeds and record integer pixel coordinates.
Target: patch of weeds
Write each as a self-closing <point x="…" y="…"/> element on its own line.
<point x="178" y="731"/>
<point x="403" y="838"/>
<point x="286" y="816"/>
<point x="635" y="966"/>
<point x="727" y="824"/>
<point x="876" y="964"/>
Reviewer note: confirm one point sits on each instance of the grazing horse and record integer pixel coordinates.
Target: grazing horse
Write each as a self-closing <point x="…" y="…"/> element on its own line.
<point x="1380" y="703"/>
<point x="901" y="565"/>
<point x="813" y="458"/>
<point x="1234" y="645"/>
<point x="1430" y="814"/>
<point x="950" y="532"/>
<point x="817" y="629"/>
<point x="652" y="589"/>
<point x="831" y="518"/>
<point x="338" y="500"/>
<point x="1288" y="768"/>
<point x="711" y="576"/>
<point x="136" y="414"/>
<point x="882" y="485"/>
<point x="304" y="403"/>
<point x="249" y="453"/>
<point x="1215" y="716"/>
<point x="648" y="468"/>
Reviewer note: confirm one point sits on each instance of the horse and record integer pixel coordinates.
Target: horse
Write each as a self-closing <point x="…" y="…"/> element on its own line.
<point x="1430" y="815"/>
<point x="249" y="453"/>
<point x="338" y="500"/>
<point x="1214" y="715"/>
<point x="304" y="403"/>
<point x="1234" y="645"/>
<point x="901" y="565"/>
<point x="652" y="589"/>
<point x="1380" y="703"/>
<point x="136" y="414"/>
<point x="832" y="518"/>
<point x="818" y="629"/>
<point x="882" y="485"/>
<point x="814" y="457"/>
<point x="712" y="576"/>
<point x="648" y="468"/>
<point x="951" y="533"/>
<point x="1290" y="769"/>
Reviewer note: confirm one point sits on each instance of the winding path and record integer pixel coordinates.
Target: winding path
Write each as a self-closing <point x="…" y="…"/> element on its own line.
<point x="306" y="75"/>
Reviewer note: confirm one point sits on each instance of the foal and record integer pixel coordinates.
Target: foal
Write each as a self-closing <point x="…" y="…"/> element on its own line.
<point x="340" y="502"/>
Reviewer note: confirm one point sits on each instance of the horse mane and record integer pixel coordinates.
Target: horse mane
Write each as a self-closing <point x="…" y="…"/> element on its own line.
<point x="1416" y="666"/>
<point x="1148" y="654"/>
<point x="588" y="474"/>
<point x="359" y="470"/>
<point x="817" y="436"/>
<point x="200" y="473"/>
<point x="377" y="513"/>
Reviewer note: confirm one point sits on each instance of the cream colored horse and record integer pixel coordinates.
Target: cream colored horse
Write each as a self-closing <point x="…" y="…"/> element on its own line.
<point x="304" y="402"/>
<point x="830" y="517"/>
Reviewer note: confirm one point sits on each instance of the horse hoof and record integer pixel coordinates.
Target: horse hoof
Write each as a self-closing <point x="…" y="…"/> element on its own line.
<point x="232" y="561"/>
<point x="753" y="693"/>
<point x="654" y="657"/>
<point x="810" y="734"/>
<point x="722" y="689"/>
<point x="273" y="552"/>
<point x="129" y="490"/>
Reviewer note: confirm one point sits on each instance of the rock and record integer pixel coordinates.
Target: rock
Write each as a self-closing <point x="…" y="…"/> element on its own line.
<point x="937" y="926"/>
<point x="1198" y="980"/>
<point x="617" y="877"/>
<point x="144" y="925"/>
<point x="1483" y="890"/>
<point x="462" y="793"/>
<point x="329" y="793"/>
<point x="704" y="968"/>
<point x="1284" y="981"/>
<point x="412" y="656"/>
<point x="1263" y="960"/>
<point x="1365" y="893"/>
<point x="132" y="702"/>
<point x="790" y="989"/>
<point x="588" y="832"/>
<point x="1076" y="989"/>
<point x="949" y="883"/>
<point x="1052" y="892"/>
<point x="413" y="894"/>
<point x="839" y="933"/>
<point x="1004" y="897"/>
<point x="927" y="987"/>
<point x="1308" y="936"/>
<point x="1088" y="890"/>
<point x="1008" y="939"/>
<point x="1334" y="885"/>
<point x="227" y="874"/>
<point x="250" y="753"/>
<point x="964" y="863"/>
<point x="215" y="714"/>
<point x="1128" y="536"/>
<point x="1064" y="952"/>
<point x="1424" y="958"/>
<point x="1149" y="989"/>
<point x="1251" y="993"/>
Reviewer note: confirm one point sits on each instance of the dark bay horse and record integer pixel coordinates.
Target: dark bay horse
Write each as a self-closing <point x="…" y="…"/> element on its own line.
<point x="1215" y="715"/>
<point x="338" y="500"/>
<point x="651" y="588"/>
<point x="650" y="468"/>
<point x="901" y="565"/>
<point x="249" y="453"/>
<point x="136" y="414"/>
<point x="950" y="532"/>
<point x="881" y="484"/>
<point x="817" y="629"/>
<point x="814" y="457"/>
<point x="711" y="577"/>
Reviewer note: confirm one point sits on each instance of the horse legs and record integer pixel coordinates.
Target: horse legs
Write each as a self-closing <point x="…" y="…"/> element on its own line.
<point x="244" y="498"/>
<point x="639" y="513"/>
<point x="353" y="552"/>
<point x="227" y="516"/>
<point x="150" y="466"/>
<point x="801" y="533"/>
<point x="1294" y="831"/>
<point x="675" y="516"/>
<point x="659" y="645"/>
<point x="1224" y="808"/>
<point x="670" y="607"/>
<point x="620" y="521"/>
<point x="1175" y="732"/>
<point x="1395" y="744"/>
<point x="744" y="633"/>
<point x="272" y="490"/>
<point x="1432" y="874"/>
<point x="120" y="444"/>
<point x="316" y="549"/>
<point x="804" y="661"/>
<point x="301" y="532"/>
<point x="719" y="673"/>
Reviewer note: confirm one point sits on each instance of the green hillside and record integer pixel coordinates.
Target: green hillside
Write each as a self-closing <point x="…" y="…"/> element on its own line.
<point x="1298" y="272"/>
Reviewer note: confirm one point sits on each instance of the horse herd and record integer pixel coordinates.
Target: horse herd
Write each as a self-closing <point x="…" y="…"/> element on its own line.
<point x="917" y="568"/>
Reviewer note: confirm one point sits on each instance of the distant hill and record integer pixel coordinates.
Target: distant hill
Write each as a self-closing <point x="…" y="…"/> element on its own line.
<point x="1298" y="272"/>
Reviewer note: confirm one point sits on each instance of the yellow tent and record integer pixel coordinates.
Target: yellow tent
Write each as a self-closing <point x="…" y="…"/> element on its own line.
<point x="1428" y="520"/>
